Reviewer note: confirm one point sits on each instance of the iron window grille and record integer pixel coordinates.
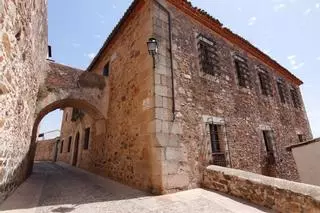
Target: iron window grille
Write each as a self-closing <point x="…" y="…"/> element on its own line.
<point x="265" y="83"/>
<point x="282" y="90"/>
<point x="295" y="98"/>
<point x="268" y="138"/>
<point x="243" y="73"/>
<point x="208" y="55"/>
<point x="218" y="153"/>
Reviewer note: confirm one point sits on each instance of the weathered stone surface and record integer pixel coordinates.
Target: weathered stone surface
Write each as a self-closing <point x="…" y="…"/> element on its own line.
<point x="277" y="194"/>
<point x="46" y="150"/>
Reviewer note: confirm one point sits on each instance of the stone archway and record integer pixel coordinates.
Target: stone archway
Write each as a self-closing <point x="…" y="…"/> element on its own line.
<point x="65" y="86"/>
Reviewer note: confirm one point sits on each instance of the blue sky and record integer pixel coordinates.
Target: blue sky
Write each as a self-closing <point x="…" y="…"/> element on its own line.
<point x="287" y="30"/>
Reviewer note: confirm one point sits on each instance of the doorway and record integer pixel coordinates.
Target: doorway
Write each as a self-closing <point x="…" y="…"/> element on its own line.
<point x="75" y="150"/>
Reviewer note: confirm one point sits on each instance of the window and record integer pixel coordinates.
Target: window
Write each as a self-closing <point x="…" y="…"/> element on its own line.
<point x="301" y="138"/>
<point x="208" y="55"/>
<point x="61" y="147"/>
<point x="106" y="70"/>
<point x="242" y="72"/>
<point x="282" y="91"/>
<point x="267" y="136"/>
<point x="69" y="144"/>
<point x="86" y="138"/>
<point x="76" y="114"/>
<point x="295" y="98"/>
<point x="265" y="82"/>
<point x="218" y="154"/>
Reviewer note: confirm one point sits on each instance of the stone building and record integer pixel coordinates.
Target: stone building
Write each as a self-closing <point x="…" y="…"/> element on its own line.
<point x="208" y="97"/>
<point x="46" y="150"/>
<point x="212" y="98"/>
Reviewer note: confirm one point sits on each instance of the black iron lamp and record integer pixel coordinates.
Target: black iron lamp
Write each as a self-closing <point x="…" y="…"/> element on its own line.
<point x="153" y="49"/>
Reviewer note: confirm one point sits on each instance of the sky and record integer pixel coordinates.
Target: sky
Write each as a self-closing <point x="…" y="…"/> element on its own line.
<point x="287" y="30"/>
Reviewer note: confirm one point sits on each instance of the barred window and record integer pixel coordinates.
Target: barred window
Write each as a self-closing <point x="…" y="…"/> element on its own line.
<point x="218" y="153"/>
<point x="242" y="72"/>
<point x="295" y="98"/>
<point x="265" y="83"/>
<point x="208" y="55"/>
<point x="282" y="90"/>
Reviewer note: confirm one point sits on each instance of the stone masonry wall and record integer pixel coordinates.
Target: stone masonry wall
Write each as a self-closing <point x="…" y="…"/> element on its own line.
<point x="86" y="158"/>
<point x="277" y="194"/>
<point x="184" y="143"/>
<point x="23" y="50"/>
<point x="127" y="153"/>
<point x="45" y="150"/>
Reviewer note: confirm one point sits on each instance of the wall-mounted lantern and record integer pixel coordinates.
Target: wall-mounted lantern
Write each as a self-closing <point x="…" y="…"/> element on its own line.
<point x="153" y="49"/>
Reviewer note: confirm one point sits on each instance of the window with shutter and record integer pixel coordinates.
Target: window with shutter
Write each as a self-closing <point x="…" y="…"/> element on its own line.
<point x="242" y="72"/>
<point x="208" y="55"/>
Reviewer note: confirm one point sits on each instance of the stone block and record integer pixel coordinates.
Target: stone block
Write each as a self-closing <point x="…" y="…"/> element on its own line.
<point x="177" y="181"/>
<point x="173" y="153"/>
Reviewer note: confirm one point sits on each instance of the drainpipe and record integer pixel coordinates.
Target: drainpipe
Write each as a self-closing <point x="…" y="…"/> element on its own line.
<point x="171" y="57"/>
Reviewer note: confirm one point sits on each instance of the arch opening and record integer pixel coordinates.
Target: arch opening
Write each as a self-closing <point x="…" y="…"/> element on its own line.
<point x="68" y="148"/>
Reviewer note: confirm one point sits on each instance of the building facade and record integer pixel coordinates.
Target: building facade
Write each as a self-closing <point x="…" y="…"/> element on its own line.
<point x="210" y="98"/>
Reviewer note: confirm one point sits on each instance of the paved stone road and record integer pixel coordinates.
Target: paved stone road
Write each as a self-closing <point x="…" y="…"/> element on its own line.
<point x="61" y="188"/>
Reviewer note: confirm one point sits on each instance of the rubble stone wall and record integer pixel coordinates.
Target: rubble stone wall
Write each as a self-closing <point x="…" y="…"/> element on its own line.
<point x="200" y="99"/>
<point x="45" y="150"/>
<point x="277" y="194"/>
<point x="23" y="50"/>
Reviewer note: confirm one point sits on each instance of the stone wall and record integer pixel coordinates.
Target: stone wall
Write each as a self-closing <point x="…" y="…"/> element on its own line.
<point x="86" y="158"/>
<point x="277" y="194"/>
<point x="183" y="137"/>
<point x="46" y="150"/>
<point x="23" y="50"/>
<point x="126" y="154"/>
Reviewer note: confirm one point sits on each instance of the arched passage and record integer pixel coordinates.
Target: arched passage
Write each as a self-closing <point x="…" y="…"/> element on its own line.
<point x="99" y="121"/>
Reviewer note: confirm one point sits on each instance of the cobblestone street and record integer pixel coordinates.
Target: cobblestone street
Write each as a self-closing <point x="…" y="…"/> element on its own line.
<point x="61" y="188"/>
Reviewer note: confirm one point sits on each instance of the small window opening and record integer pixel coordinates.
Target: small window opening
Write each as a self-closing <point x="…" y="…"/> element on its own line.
<point x="69" y="143"/>
<point x="301" y="138"/>
<point x="106" y="70"/>
<point x="61" y="147"/>
<point x="86" y="138"/>
<point x="267" y="136"/>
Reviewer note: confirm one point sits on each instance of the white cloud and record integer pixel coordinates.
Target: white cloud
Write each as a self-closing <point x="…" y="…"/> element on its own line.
<point x="75" y="45"/>
<point x="318" y="58"/>
<point x="317" y="5"/>
<point x="91" y="55"/>
<point x="307" y="11"/>
<point x="100" y="15"/>
<point x="114" y="6"/>
<point x="278" y="7"/>
<point x="293" y="62"/>
<point x="97" y="36"/>
<point x="252" y="21"/>
<point x="239" y="9"/>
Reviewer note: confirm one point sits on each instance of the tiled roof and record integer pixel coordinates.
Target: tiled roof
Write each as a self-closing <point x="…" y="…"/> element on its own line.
<point x="214" y="24"/>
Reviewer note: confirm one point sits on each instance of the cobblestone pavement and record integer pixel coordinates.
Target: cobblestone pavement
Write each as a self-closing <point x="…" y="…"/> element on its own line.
<point x="62" y="188"/>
